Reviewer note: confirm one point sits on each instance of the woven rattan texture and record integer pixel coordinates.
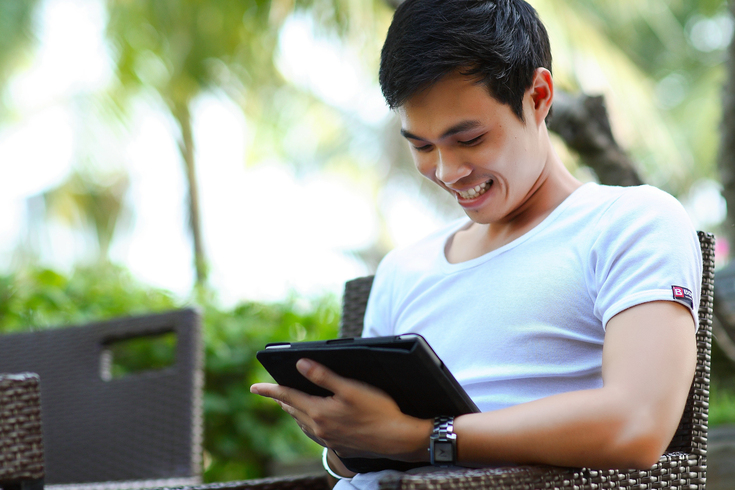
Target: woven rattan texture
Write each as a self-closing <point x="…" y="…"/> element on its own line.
<point x="143" y="426"/>
<point x="21" y="442"/>
<point x="683" y="468"/>
<point x="307" y="482"/>
<point x="354" y="303"/>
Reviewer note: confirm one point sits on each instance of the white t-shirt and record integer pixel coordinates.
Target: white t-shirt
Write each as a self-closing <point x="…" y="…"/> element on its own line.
<point x="528" y="320"/>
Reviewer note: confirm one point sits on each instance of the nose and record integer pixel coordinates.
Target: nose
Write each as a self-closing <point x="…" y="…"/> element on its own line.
<point x="449" y="169"/>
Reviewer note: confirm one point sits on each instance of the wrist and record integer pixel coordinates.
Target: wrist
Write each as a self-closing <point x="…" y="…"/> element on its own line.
<point x="334" y="466"/>
<point x="415" y="441"/>
<point x="443" y="442"/>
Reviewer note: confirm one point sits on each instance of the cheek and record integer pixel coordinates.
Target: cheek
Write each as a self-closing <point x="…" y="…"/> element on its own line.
<point x="424" y="165"/>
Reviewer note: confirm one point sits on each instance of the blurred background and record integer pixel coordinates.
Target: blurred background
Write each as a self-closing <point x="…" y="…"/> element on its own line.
<point x="238" y="155"/>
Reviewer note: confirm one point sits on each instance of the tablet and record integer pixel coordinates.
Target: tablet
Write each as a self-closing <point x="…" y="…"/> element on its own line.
<point x="404" y="366"/>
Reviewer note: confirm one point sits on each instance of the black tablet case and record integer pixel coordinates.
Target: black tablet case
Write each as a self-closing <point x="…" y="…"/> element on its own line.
<point x="403" y="366"/>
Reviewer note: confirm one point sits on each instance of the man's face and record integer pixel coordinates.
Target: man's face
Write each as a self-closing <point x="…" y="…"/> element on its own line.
<point x="476" y="148"/>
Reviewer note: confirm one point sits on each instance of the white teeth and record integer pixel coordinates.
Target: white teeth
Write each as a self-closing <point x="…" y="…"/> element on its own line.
<point x="475" y="191"/>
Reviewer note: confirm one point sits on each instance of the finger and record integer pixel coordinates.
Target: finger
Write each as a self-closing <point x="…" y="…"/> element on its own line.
<point x="303" y="421"/>
<point x="289" y="396"/>
<point x="322" y="376"/>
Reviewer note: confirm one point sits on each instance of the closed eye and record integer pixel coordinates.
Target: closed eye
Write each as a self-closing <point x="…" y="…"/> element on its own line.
<point x="471" y="142"/>
<point x="424" y="148"/>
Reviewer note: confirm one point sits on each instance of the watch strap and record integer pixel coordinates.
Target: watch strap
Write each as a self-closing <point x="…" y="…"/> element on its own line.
<point x="443" y="442"/>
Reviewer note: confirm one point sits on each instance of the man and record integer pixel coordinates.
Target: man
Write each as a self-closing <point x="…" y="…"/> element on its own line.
<point x="566" y="311"/>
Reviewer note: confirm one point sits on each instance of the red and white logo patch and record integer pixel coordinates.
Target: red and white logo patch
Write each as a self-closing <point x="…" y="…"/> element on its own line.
<point x="683" y="295"/>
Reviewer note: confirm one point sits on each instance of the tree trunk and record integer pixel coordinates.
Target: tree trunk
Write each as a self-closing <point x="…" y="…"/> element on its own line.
<point x="583" y="124"/>
<point x="181" y="112"/>
<point x="726" y="160"/>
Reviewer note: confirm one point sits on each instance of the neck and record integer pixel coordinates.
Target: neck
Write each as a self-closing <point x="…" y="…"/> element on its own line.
<point x="553" y="186"/>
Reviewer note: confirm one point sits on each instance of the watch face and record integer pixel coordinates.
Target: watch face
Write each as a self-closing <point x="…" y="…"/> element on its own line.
<point x="443" y="452"/>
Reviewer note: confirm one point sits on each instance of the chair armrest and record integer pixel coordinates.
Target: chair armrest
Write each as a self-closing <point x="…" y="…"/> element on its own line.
<point x="506" y="478"/>
<point x="21" y="439"/>
<point x="679" y="470"/>
<point x="300" y="482"/>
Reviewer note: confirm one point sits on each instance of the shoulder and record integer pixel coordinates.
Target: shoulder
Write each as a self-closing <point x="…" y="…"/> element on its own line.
<point x="642" y="206"/>
<point x="640" y="199"/>
<point x="634" y="198"/>
<point x="635" y="212"/>
<point x="423" y="252"/>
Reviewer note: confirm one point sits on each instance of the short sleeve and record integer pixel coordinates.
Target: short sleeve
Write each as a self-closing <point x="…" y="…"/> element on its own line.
<point x="645" y="249"/>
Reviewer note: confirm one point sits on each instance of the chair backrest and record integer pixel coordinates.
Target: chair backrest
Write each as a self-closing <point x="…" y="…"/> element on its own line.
<point x="354" y="304"/>
<point x="691" y="436"/>
<point x="143" y="427"/>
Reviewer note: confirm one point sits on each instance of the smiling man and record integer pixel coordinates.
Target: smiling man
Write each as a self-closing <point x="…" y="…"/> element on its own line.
<point x="566" y="311"/>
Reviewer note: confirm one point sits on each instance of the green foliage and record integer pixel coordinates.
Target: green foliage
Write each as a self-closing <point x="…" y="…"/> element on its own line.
<point x="89" y="202"/>
<point x="722" y="405"/>
<point x="722" y="392"/>
<point x="146" y="353"/>
<point x="15" y="25"/>
<point x="243" y="433"/>
<point x="41" y="298"/>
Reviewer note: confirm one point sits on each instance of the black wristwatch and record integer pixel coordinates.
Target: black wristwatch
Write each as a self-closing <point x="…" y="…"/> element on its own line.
<point x="443" y="442"/>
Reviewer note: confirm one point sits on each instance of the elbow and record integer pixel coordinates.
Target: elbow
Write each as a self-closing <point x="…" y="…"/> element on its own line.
<point x="641" y="455"/>
<point x="640" y="444"/>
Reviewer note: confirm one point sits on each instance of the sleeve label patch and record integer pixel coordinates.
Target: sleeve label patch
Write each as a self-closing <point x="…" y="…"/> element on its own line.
<point x="683" y="295"/>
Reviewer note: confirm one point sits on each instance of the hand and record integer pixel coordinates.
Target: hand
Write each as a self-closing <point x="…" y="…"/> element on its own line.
<point x="359" y="420"/>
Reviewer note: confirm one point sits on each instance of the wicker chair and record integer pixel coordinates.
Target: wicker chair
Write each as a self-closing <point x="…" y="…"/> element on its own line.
<point x="21" y="442"/>
<point x="100" y="430"/>
<point x="683" y="466"/>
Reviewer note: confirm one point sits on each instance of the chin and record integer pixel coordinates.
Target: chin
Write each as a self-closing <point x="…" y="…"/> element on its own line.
<point x="478" y="217"/>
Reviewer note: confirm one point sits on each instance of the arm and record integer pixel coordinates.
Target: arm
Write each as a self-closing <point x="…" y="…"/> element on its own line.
<point x="648" y="364"/>
<point x="649" y="357"/>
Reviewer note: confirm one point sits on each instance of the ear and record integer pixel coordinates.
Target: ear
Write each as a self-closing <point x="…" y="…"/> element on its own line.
<point x="541" y="94"/>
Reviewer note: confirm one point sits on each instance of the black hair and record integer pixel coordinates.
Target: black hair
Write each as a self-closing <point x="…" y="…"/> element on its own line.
<point x="501" y="43"/>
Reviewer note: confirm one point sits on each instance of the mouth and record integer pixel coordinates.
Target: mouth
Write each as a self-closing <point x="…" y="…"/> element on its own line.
<point x="476" y="191"/>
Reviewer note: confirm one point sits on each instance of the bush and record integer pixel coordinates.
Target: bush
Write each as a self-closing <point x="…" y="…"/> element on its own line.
<point x="722" y="392"/>
<point x="42" y="298"/>
<point x="243" y="433"/>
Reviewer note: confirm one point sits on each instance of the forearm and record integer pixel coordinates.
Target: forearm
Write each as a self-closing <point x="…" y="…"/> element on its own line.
<point x="594" y="428"/>
<point x="648" y="364"/>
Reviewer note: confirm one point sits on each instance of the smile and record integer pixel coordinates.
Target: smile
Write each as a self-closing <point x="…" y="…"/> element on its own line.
<point x="476" y="191"/>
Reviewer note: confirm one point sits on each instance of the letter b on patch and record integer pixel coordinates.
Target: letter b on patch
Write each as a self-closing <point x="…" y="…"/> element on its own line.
<point x="683" y="296"/>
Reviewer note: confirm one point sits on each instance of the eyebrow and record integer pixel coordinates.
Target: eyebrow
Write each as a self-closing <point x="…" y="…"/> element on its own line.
<point x="457" y="128"/>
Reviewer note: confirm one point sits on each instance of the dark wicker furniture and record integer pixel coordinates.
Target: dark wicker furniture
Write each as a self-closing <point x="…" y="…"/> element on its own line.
<point x="21" y="442"/>
<point x="682" y="467"/>
<point x="143" y="429"/>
